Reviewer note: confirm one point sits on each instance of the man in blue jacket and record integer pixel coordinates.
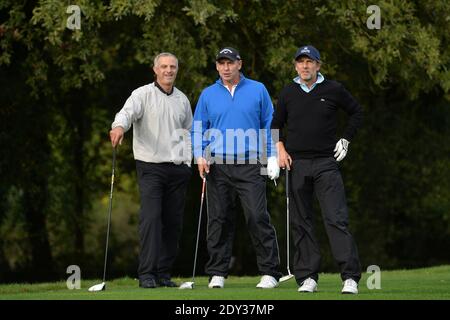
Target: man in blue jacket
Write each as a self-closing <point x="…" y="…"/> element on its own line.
<point x="231" y="138"/>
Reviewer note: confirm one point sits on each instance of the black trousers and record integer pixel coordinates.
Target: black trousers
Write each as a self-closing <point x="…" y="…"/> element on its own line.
<point x="162" y="189"/>
<point x="225" y="182"/>
<point x="322" y="177"/>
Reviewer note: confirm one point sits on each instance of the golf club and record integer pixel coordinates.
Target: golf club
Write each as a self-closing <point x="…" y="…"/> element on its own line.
<point x="289" y="275"/>
<point x="190" y="284"/>
<point x="102" y="286"/>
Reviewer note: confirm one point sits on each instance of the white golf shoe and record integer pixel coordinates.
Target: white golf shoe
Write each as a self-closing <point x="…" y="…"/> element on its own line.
<point x="350" y="287"/>
<point x="216" y="282"/>
<point x="267" y="282"/>
<point x="309" y="285"/>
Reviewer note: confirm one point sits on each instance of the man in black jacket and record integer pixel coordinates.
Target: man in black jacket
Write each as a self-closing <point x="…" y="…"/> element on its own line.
<point x="307" y="109"/>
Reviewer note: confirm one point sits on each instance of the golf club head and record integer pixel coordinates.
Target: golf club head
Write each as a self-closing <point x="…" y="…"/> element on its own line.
<point x="187" y="285"/>
<point x="98" y="287"/>
<point x="286" y="278"/>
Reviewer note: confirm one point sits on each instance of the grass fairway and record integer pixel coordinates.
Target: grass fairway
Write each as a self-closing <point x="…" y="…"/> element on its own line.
<point x="428" y="284"/>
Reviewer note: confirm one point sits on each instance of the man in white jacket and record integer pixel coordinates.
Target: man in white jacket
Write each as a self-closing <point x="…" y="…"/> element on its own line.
<point x="161" y="116"/>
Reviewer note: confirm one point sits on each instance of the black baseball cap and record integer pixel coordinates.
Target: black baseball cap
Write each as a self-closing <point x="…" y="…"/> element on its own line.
<point x="308" y="51"/>
<point x="228" y="53"/>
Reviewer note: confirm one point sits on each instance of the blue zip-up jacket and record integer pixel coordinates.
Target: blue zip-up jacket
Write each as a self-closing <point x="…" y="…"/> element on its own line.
<point x="233" y="127"/>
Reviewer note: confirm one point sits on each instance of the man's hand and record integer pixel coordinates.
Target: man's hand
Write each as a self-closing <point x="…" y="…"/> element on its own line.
<point x="273" y="170"/>
<point x="203" y="166"/>
<point x="284" y="159"/>
<point x="341" y="149"/>
<point x="116" y="136"/>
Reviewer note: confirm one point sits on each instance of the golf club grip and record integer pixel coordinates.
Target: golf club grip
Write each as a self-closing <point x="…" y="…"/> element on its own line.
<point x="113" y="171"/>
<point x="203" y="186"/>
<point x="287" y="183"/>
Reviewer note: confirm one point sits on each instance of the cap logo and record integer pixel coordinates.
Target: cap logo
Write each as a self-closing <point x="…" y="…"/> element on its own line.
<point x="226" y="51"/>
<point x="305" y="49"/>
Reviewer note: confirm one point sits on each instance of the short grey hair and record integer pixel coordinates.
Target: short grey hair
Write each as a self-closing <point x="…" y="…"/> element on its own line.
<point x="164" y="54"/>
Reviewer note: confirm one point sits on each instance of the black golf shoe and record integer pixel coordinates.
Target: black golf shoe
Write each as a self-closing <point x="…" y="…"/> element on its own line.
<point x="147" y="283"/>
<point x="167" y="283"/>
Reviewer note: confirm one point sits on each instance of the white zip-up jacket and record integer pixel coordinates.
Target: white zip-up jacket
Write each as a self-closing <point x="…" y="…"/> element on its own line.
<point x="161" y="124"/>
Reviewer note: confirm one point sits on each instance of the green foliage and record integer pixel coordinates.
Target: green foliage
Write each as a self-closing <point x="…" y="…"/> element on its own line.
<point x="408" y="48"/>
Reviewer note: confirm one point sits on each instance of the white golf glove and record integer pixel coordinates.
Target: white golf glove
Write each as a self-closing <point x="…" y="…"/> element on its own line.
<point x="341" y="149"/>
<point x="273" y="170"/>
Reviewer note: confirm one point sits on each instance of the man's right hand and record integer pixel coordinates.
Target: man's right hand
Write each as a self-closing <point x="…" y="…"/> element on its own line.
<point x="203" y="166"/>
<point x="284" y="159"/>
<point x="116" y="136"/>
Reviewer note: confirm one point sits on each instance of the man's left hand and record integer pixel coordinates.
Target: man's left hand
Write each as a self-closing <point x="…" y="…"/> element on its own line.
<point x="341" y="149"/>
<point x="273" y="170"/>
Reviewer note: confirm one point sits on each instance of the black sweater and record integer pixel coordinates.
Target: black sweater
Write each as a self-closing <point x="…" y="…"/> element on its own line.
<point x="311" y="118"/>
